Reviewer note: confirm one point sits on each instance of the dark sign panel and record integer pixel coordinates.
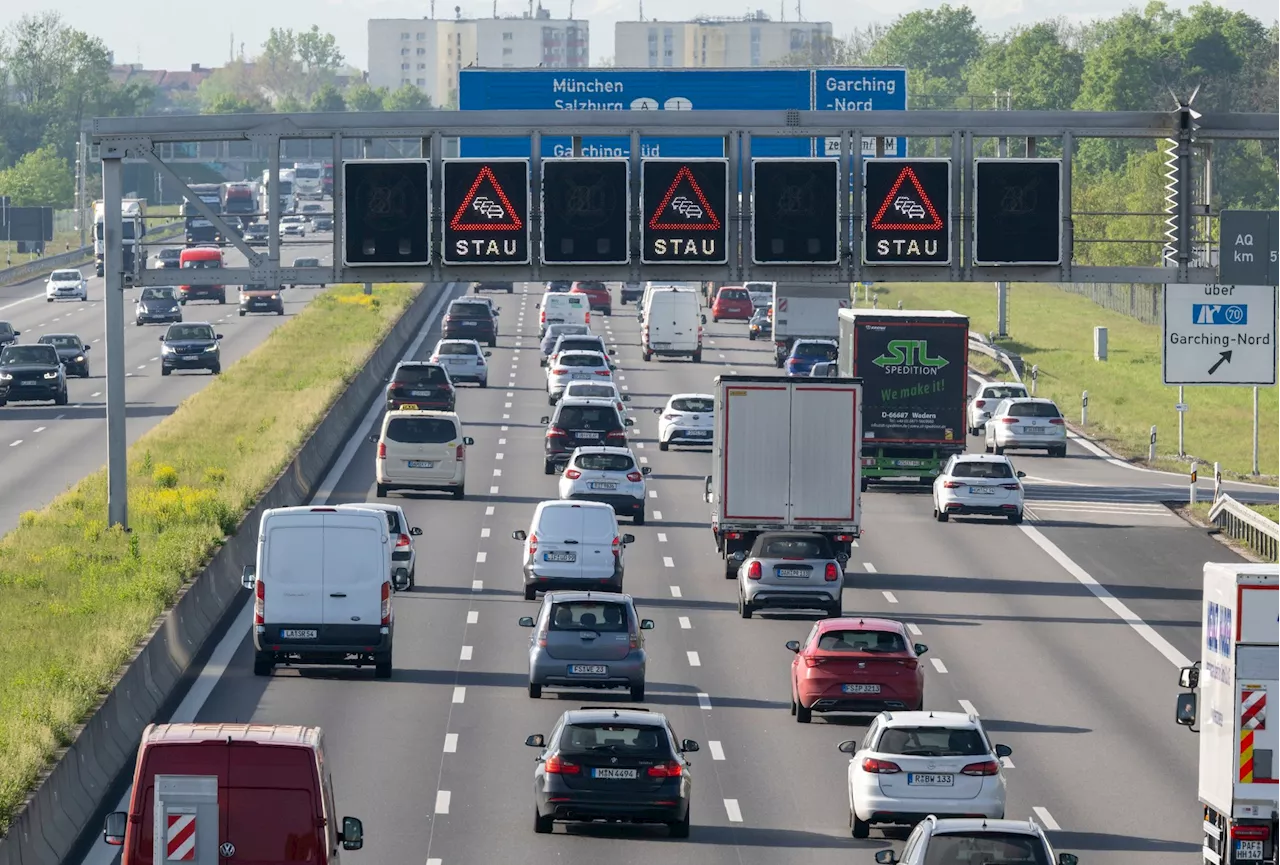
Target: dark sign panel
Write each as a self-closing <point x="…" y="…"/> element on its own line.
<point x="795" y="212"/>
<point x="1249" y="247"/>
<point x="1017" y="211"/>
<point x="486" y="211"/>
<point x="584" y="211"/>
<point x="386" y="212"/>
<point x="906" y="211"/>
<point x="29" y="224"/>
<point x="685" y="205"/>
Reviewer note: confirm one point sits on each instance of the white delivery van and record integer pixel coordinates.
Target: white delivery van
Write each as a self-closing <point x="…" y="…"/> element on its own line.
<point x="560" y="308"/>
<point x="672" y="325"/>
<point x="322" y="589"/>
<point x="573" y="545"/>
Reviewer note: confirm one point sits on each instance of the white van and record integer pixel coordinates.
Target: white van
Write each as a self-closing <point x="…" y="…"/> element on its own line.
<point x="651" y="287"/>
<point x="559" y="308"/>
<point x="573" y="545"/>
<point x="322" y="589"/>
<point x="421" y="450"/>
<point x="672" y="325"/>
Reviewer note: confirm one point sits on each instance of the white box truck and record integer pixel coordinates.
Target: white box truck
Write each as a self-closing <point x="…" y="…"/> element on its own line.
<point x="804" y="312"/>
<point x="1231" y="702"/>
<point x="133" y="228"/>
<point x="785" y="456"/>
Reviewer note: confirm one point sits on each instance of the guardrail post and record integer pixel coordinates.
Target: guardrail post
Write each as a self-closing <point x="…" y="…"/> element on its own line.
<point x="1084" y="409"/>
<point x="1195" y="466"/>
<point x="1217" y="482"/>
<point x="1151" y="450"/>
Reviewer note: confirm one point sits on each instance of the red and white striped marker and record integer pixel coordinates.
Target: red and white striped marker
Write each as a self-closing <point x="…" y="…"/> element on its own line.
<point x="1253" y="705"/>
<point x="180" y="839"/>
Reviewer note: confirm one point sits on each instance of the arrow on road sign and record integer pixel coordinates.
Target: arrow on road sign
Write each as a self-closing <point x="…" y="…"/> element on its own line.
<point x="1223" y="357"/>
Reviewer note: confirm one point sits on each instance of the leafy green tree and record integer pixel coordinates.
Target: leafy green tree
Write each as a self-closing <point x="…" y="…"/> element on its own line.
<point x="936" y="45"/>
<point x="229" y="103"/>
<point x="407" y="98"/>
<point x="288" y="104"/>
<point x="318" y="51"/>
<point x="40" y="178"/>
<point x="361" y="97"/>
<point x="327" y="98"/>
<point x="1034" y="66"/>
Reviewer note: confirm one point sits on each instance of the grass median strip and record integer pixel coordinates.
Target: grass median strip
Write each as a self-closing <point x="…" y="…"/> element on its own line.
<point x="1054" y="329"/>
<point x="76" y="597"/>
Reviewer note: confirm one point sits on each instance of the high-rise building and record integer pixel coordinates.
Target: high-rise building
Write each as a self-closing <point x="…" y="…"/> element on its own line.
<point x="754" y="40"/>
<point x="428" y="52"/>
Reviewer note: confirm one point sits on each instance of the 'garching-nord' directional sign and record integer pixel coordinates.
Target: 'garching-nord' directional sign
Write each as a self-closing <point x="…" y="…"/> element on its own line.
<point x="486" y="211"/>
<point x="1220" y="334"/>
<point x="906" y="218"/>
<point x="584" y="211"/>
<point x="684" y="211"/>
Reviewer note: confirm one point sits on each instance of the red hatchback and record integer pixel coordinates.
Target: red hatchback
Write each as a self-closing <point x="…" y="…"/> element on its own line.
<point x="598" y="297"/>
<point x="857" y="665"/>
<point x="732" y="302"/>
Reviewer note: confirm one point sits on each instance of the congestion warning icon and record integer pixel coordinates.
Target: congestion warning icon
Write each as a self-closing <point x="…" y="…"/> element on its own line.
<point x="911" y="208"/>
<point x="486" y="207"/>
<point x="684" y="207"/>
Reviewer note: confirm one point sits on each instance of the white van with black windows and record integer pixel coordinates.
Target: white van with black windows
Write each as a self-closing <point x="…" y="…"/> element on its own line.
<point x="573" y="545"/>
<point x="672" y="325"/>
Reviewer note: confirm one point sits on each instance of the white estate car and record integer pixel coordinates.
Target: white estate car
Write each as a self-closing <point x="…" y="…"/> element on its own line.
<point x="913" y="764"/>
<point x="687" y="419"/>
<point x="293" y="226"/>
<point x="64" y="284"/>
<point x="575" y="366"/>
<point x="984" y="402"/>
<point x="608" y="475"/>
<point x="464" y="359"/>
<point x="978" y="484"/>
<point x="603" y="389"/>
<point x="1027" y="423"/>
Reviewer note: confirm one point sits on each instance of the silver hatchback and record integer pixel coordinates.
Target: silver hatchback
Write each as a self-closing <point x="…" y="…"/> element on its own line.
<point x="792" y="571"/>
<point x="587" y="640"/>
<point x="464" y="359"/>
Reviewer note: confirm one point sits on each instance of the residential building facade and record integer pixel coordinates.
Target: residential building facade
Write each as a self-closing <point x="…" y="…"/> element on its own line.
<point x="719" y="42"/>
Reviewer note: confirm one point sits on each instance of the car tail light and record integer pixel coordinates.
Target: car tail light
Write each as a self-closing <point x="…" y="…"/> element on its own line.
<point x="435" y="358"/>
<point x="951" y="485"/>
<point x="542" y="639"/>
<point x="603" y="372"/>
<point x="542" y="317"/>
<point x="557" y="765"/>
<point x="880" y="767"/>
<point x="386" y="603"/>
<point x="666" y="770"/>
<point x="533" y="545"/>
<point x="754" y="572"/>
<point x="573" y="474"/>
<point x="382" y="450"/>
<point x="979" y="403"/>
<point x="616" y="435"/>
<point x="670" y="416"/>
<point x="398" y="385"/>
<point x="560" y="371"/>
<point x="620" y="408"/>
<point x="1008" y="420"/>
<point x="1057" y="421"/>
<point x="555" y="432"/>
<point x="460" y="454"/>
<point x="832" y="574"/>
<point x="1251" y="833"/>
<point x="617" y="546"/>
<point x="446" y="319"/>
<point x="635" y="477"/>
<point x="811" y="661"/>
<point x="588" y="316"/>
<point x="733" y="536"/>
<point x="259" y="603"/>
<point x="403" y="541"/>
<point x="844" y="538"/>
<point x="1008" y="486"/>
<point x="986" y="767"/>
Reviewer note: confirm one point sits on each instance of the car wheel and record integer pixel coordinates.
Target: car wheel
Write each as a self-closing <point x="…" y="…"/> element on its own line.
<point x="715" y="320"/>
<point x="280" y="311"/>
<point x="638" y="518"/>
<point x="1015" y="518"/>
<point x="510" y="289"/>
<point x="1060" y="453"/>
<point x="542" y="825"/>
<point x="459" y="493"/>
<point x="836" y="610"/>
<point x="242" y="313"/>
<point x="861" y="829"/>
<point x="535" y="691"/>
<point x="62" y="398"/>
<point x="484" y="382"/>
<point x="216" y="369"/>
<point x="680" y="828"/>
<point x="138" y="322"/>
<point x="803" y="713"/>
<point x="637" y="693"/>
<point x="382" y="491"/>
<point x="744" y="609"/>
<point x="697" y="356"/>
<point x="664" y="446"/>
<point x="3" y="403"/>
<point x="49" y="299"/>
<point x="262" y="665"/>
<point x="793" y="704"/>
<point x="413" y="577"/>
<point x="751" y="336"/>
<point x="222" y="298"/>
<point x="548" y="467"/>
<point x="551" y="400"/>
<point x="997" y="450"/>
<point x="493" y="342"/>
<point x="940" y="516"/>
<point x="646" y="356"/>
<point x="382" y="668"/>
<point x="164" y="370"/>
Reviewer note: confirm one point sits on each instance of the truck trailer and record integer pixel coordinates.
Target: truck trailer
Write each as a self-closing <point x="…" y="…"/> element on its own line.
<point x="914" y="365"/>
<point x="133" y="229"/>
<point x="785" y="457"/>
<point x="198" y="228"/>
<point x="803" y="312"/>
<point x="1227" y="704"/>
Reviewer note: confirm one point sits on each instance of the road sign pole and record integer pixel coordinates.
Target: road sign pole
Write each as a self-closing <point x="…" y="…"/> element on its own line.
<point x="1002" y="310"/>
<point x="1217" y="481"/>
<point x="113" y="310"/>
<point x="1182" y="400"/>
<point x="1255" y="433"/>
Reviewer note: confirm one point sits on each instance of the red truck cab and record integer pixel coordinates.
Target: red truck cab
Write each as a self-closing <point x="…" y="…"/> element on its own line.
<point x="275" y="793"/>
<point x="201" y="258"/>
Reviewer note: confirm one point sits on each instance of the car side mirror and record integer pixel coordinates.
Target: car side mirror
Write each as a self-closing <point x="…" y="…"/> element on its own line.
<point x="519" y="535"/>
<point x="537" y="740"/>
<point x="1068" y="859"/>
<point x="612" y="368"/>
<point x="545" y="419"/>
<point x="886" y="857"/>
<point x="352" y="833"/>
<point x="920" y="648"/>
<point x="1189" y="677"/>
<point x="1004" y="751"/>
<point x="646" y="624"/>
<point x="848" y="746"/>
<point x="248" y="576"/>
<point x="1021" y="474"/>
<point x="644" y="470"/>
<point x="1186" y="712"/>
<point x="468" y="441"/>
<point x="488" y="354"/>
<point x="373" y="438"/>
<point x="657" y="411"/>
<point x="626" y="397"/>
<point x="630" y="422"/>
<point x="706" y="492"/>
<point x="793" y="645"/>
<point x="114" y="827"/>
<point x="401" y="577"/>
<point x="525" y="622"/>
<point x="85" y="347"/>
<point x="986" y="415"/>
<point x="704" y="319"/>
<point x="161" y="338"/>
<point x="415" y="532"/>
<point x="217" y="336"/>
<point x="689" y="746"/>
<point x="536" y="306"/>
<point x="628" y="539"/>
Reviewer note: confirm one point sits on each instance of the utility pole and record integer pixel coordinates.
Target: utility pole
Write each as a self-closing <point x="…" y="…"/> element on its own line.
<point x="113" y="304"/>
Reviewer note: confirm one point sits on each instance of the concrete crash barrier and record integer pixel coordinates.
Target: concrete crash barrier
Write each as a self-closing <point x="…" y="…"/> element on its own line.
<point x="65" y="810"/>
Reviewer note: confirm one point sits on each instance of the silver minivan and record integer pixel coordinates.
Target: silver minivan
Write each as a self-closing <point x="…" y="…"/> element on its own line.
<point x="572" y="545"/>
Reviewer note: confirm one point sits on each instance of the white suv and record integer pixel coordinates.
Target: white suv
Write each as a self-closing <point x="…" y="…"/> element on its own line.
<point x="66" y="284"/>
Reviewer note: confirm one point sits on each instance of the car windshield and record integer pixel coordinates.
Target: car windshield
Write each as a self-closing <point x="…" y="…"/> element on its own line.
<point x="589" y="285"/>
<point x="591" y="391"/>
<point x="760" y="316"/>
<point x="605" y="462"/>
<point x="734" y="294"/>
<point x="815" y="547"/>
<point x="821" y="350"/>
<point x="190" y="331"/>
<point x="932" y="742"/>
<point x="65" y="276"/>
<point x="202" y="264"/>
<point x="577" y="343"/>
<point x="840" y="640"/>
<point x="1004" y="392"/>
<point x="157" y="294"/>
<point x="625" y="738"/>
<point x="694" y="404"/>
<point x="1034" y="409"/>
<point x="422" y="430"/>
<point x="61" y="341"/>
<point x="471" y="310"/>
<point x="587" y="417"/>
<point x="416" y="375"/>
<point x="987" y="848"/>
<point x="15" y="354"/>
<point x="589" y="616"/>
<point x="976" y="469"/>
<point x="580" y="360"/>
<point x="167" y="254"/>
<point x="457" y="348"/>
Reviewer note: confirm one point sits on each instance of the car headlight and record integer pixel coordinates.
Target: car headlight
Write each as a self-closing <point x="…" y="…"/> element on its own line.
<point x="213" y="347"/>
<point x="50" y="375"/>
<point x="174" y="308"/>
<point x="275" y="297"/>
<point x="79" y="358"/>
<point x="4" y="376"/>
<point x="166" y="349"/>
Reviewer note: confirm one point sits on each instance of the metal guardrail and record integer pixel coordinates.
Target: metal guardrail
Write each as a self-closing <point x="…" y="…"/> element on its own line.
<point x="1011" y="362"/>
<point x="40" y="266"/>
<point x="1244" y="524"/>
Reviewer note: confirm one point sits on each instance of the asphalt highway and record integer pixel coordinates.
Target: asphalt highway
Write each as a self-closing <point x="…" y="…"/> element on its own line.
<point x="46" y="448"/>
<point x="1062" y="634"/>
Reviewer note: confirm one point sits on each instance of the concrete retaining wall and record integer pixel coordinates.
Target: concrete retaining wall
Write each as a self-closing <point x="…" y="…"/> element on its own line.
<point x="67" y="803"/>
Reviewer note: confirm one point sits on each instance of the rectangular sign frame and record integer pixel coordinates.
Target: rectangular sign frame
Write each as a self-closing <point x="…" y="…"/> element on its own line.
<point x="866" y="214"/>
<point x="1213" y="359"/>
<point x="644" y="216"/>
<point x="542" y="211"/>
<point x="973" y="248"/>
<point x="431" y="182"/>
<point x="840" y="215"/>
<point x="528" y="216"/>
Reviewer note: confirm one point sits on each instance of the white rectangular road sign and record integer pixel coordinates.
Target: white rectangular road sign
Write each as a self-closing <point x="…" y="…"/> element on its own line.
<point x="1220" y="334"/>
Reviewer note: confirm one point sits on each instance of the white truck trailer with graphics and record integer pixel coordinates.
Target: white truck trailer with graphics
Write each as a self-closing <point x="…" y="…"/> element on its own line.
<point x="804" y="312"/>
<point x="785" y="457"/>
<point x="133" y="229"/>
<point x="1231" y="704"/>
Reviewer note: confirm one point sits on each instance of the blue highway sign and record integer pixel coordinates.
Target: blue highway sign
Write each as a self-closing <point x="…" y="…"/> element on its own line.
<point x="861" y="89"/>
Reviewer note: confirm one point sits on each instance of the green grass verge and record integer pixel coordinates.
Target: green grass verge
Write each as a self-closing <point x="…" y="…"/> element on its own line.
<point x="1054" y="329"/>
<point x="76" y="596"/>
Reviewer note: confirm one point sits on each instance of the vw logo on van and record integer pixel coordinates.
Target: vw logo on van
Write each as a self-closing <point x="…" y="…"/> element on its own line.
<point x="226" y="849"/>
<point x="355" y="618"/>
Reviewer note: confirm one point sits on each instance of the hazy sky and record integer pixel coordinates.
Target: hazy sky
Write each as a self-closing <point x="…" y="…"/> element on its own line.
<point x="162" y="34"/>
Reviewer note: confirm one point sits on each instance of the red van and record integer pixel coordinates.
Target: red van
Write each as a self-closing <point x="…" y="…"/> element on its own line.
<point x="275" y="793"/>
<point x="201" y="258"/>
<point x="732" y="302"/>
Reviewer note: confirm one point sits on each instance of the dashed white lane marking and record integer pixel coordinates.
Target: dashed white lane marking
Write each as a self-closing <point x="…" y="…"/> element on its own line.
<point x="694" y="660"/>
<point x="510" y="393"/>
<point x="685" y="624"/>
<point x="39" y="429"/>
<point x="1046" y="819"/>
<point x="142" y="366"/>
<point x="704" y="700"/>
<point x="497" y="473"/>
<point x="460" y="694"/>
<point x="890" y="597"/>
<point x="60" y="417"/>
<point x="493" y="491"/>
<point x="484" y="533"/>
<point x="442" y="801"/>
<point x="871" y="569"/>
<point x="968" y="707"/>
<point x="477" y="585"/>
<point x="14" y="444"/>
<point x="643" y="460"/>
<point x="488" y="512"/>
<point x="481" y="556"/>
<point x="95" y="393"/>
<point x="675" y="592"/>
<point x="451" y="743"/>
<point x="938" y="665"/>
<point x="731" y="808"/>
<point x="914" y="629"/>
<point x="506" y="417"/>
<point x="717" y="750"/>
<point x="504" y="429"/>
<point x="1007" y="762"/>
<point x="465" y="655"/>
<point x="657" y="515"/>
<point x="473" y="617"/>
<point x="498" y="455"/>
<point x="502" y="441"/>
<point x="721" y="355"/>
<point x="155" y="358"/>
<point x="506" y="405"/>
<point x="662" y="536"/>
<point x="640" y="445"/>
<point x="668" y="562"/>
<point x="653" y="494"/>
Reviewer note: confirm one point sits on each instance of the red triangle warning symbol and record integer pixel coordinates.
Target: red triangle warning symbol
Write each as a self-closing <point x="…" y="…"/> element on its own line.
<point x="912" y="209"/>
<point x="486" y="208"/>
<point x="684" y="207"/>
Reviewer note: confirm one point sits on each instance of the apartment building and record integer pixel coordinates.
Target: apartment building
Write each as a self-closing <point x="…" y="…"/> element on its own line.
<point x="428" y="52"/>
<point x="754" y="40"/>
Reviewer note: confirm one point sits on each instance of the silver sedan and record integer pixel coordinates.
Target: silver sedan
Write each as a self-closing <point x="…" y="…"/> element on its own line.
<point x="791" y="571"/>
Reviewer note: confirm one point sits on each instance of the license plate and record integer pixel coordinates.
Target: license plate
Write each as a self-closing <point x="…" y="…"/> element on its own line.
<point x="794" y="572"/>
<point x="1248" y="849"/>
<point x="659" y="345"/>
<point x="28" y="383"/>
<point x="616" y="774"/>
<point x="588" y="669"/>
<point x="921" y="779"/>
<point x="469" y="324"/>
<point x="420" y="393"/>
<point x="588" y="435"/>
<point x="908" y="463"/>
<point x="1031" y="430"/>
<point x="421" y="464"/>
<point x="981" y="491"/>
<point x="602" y="485"/>
<point x="578" y="376"/>
<point x="860" y="689"/>
<point x="297" y="634"/>
<point x="560" y="557"/>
